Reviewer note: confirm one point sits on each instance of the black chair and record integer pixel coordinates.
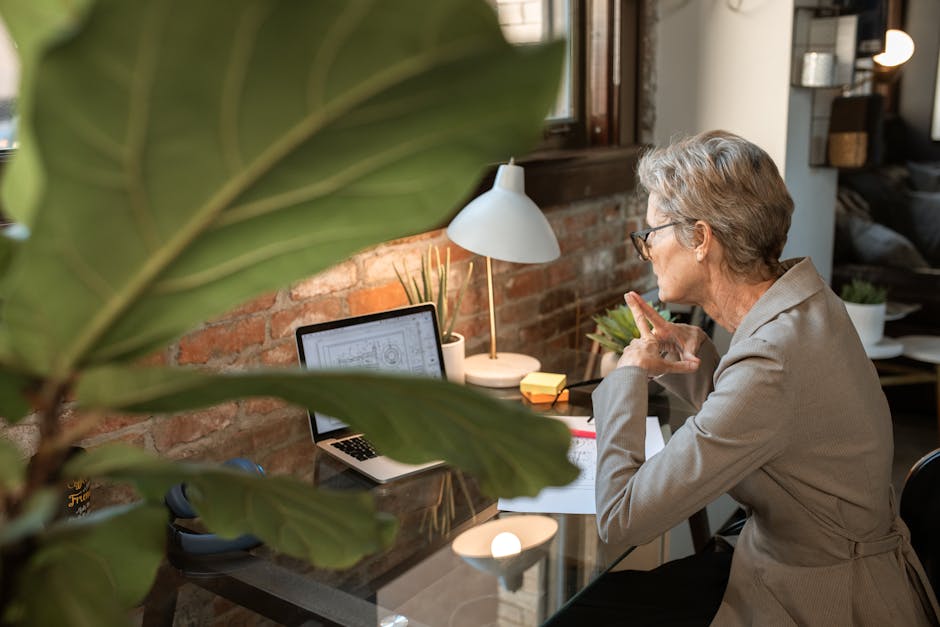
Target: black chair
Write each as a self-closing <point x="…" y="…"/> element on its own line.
<point x="721" y="540"/>
<point x="920" y="510"/>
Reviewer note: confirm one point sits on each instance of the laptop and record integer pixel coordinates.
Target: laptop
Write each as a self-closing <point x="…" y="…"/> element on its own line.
<point x="402" y="340"/>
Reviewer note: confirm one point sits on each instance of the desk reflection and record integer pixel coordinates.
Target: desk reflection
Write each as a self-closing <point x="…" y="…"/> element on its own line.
<point x="419" y="579"/>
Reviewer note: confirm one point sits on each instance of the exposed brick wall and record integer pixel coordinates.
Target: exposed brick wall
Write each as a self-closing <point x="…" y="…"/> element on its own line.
<point x="539" y="308"/>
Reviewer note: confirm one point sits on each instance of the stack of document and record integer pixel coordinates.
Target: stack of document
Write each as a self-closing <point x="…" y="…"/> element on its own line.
<point x="578" y="496"/>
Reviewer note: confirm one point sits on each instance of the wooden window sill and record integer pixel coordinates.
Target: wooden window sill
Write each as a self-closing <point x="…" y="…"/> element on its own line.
<point x="559" y="177"/>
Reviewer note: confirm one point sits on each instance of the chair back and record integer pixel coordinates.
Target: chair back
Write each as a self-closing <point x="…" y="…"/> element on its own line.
<point x="920" y="510"/>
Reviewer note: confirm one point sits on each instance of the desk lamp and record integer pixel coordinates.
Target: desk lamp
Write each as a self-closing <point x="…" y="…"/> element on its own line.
<point x="503" y="224"/>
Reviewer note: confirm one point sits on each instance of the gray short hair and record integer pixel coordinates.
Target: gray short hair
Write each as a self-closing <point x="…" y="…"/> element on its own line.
<point x="730" y="184"/>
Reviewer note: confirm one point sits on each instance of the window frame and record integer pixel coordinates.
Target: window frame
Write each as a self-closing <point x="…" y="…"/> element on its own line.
<point x="572" y="164"/>
<point x="605" y="44"/>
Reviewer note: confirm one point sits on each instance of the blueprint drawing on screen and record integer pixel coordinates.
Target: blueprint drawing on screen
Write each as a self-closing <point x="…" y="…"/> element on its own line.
<point x="384" y="351"/>
<point x="407" y="345"/>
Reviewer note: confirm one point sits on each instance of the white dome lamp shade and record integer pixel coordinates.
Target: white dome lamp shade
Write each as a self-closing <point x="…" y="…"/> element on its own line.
<point x="503" y="224"/>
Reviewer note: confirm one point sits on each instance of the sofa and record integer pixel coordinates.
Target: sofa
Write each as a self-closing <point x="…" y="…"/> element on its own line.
<point x="888" y="232"/>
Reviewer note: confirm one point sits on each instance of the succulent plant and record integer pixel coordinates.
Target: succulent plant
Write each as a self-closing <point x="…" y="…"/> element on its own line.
<point x="863" y="292"/>
<point x="616" y="327"/>
<point x="424" y="291"/>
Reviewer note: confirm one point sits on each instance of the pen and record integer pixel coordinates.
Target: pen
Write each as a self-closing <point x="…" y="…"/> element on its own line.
<point x="579" y="433"/>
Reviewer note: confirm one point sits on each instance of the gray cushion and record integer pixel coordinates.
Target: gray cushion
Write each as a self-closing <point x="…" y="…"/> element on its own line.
<point x="876" y="244"/>
<point x="925" y="177"/>
<point x="882" y="190"/>
<point x="924" y="212"/>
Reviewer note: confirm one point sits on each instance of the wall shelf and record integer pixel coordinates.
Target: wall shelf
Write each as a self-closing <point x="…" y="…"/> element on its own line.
<point x="823" y="29"/>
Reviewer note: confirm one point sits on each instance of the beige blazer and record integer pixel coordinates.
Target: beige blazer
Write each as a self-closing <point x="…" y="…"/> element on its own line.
<point x="793" y="424"/>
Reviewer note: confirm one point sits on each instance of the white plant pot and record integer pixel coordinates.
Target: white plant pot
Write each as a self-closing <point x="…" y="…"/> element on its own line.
<point x="869" y="321"/>
<point x="608" y="362"/>
<point x="454" y="353"/>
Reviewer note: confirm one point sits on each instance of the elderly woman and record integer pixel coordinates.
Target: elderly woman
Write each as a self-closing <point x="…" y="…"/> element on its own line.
<point x="791" y="422"/>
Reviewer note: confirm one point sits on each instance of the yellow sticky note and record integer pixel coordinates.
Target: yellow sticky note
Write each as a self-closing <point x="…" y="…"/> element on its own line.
<point x="543" y="383"/>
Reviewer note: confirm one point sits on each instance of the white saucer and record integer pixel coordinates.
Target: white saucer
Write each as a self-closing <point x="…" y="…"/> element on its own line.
<point x="886" y="348"/>
<point x="896" y="311"/>
<point x="922" y="347"/>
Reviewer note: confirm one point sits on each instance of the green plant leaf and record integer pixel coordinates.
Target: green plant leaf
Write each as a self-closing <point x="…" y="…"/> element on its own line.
<point x="38" y="510"/>
<point x="618" y="328"/>
<point x="8" y="248"/>
<point x="12" y="466"/>
<point x="614" y="329"/>
<point x="176" y="190"/>
<point x="327" y="528"/>
<point x="151" y="475"/>
<point x="91" y="570"/>
<point x="13" y="403"/>
<point x="129" y="539"/>
<point x="330" y="529"/>
<point x="33" y="25"/>
<point x="509" y="450"/>
<point x="51" y="592"/>
<point x="606" y="342"/>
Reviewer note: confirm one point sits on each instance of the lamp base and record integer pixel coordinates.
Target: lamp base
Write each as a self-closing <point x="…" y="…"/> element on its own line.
<point x="506" y="371"/>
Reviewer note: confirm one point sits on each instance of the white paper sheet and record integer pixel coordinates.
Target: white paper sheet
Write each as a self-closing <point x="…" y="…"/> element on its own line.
<point x="578" y="496"/>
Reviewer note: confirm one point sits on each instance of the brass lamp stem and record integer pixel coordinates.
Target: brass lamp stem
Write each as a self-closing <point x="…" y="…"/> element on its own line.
<point x="489" y="287"/>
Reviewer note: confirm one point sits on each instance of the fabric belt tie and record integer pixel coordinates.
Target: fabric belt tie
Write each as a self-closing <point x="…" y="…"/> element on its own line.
<point x="899" y="541"/>
<point x="886" y="544"/>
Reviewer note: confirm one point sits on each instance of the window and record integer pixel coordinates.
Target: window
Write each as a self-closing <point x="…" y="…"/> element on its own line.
<point x="534" y="21"/>
<point x="590" y="139"/>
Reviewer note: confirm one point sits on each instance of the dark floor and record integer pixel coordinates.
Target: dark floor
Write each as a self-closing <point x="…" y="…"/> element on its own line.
<point x="913" y="411"/>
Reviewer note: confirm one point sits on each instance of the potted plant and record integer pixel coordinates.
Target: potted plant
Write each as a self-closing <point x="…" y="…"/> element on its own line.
<point x="433" y="288"/>
<point x="865" y="304"/>
<point x="615" y="329"/>
<point x="177" y="159"/>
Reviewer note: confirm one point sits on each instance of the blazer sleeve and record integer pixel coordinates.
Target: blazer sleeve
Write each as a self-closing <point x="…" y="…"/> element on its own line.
<point x="694" y="387"/>
<point x="741" y="425"/>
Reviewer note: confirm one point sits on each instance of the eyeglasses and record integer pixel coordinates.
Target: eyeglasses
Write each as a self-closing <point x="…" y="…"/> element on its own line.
<point x="639" y="239"/>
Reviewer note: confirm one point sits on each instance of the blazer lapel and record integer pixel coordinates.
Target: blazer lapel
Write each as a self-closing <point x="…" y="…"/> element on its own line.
<point x="799" y="282"/>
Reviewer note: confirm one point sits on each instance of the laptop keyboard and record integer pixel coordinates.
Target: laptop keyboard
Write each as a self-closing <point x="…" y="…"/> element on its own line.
<point x="357" y="447"/>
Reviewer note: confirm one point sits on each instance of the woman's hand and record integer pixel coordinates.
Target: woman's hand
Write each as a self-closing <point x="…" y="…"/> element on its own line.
<point x="664" y="348"/>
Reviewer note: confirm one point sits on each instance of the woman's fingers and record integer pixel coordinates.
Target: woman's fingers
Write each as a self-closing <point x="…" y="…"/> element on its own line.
<point x="657" y="357"/>
<point x="661" y="328"/>
<point x="668" y="347"/>
<point x="634" y="302"/>
<point x="683" y="366"/>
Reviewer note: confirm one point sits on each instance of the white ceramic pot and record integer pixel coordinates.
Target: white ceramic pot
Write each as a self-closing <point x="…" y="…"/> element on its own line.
<point x="869" y="321"/>
<point x="454" y="353"/>
<point x="608" y="362"/>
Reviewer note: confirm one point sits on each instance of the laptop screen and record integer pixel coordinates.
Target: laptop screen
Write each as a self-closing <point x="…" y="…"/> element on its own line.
<point x="402" y="340"/>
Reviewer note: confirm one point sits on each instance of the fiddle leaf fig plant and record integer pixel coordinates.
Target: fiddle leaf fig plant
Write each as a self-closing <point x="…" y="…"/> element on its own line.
<point x="179" y="158"/>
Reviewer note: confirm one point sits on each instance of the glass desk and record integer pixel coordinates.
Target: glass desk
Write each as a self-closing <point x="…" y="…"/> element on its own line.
<point x="419" y="580"/>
